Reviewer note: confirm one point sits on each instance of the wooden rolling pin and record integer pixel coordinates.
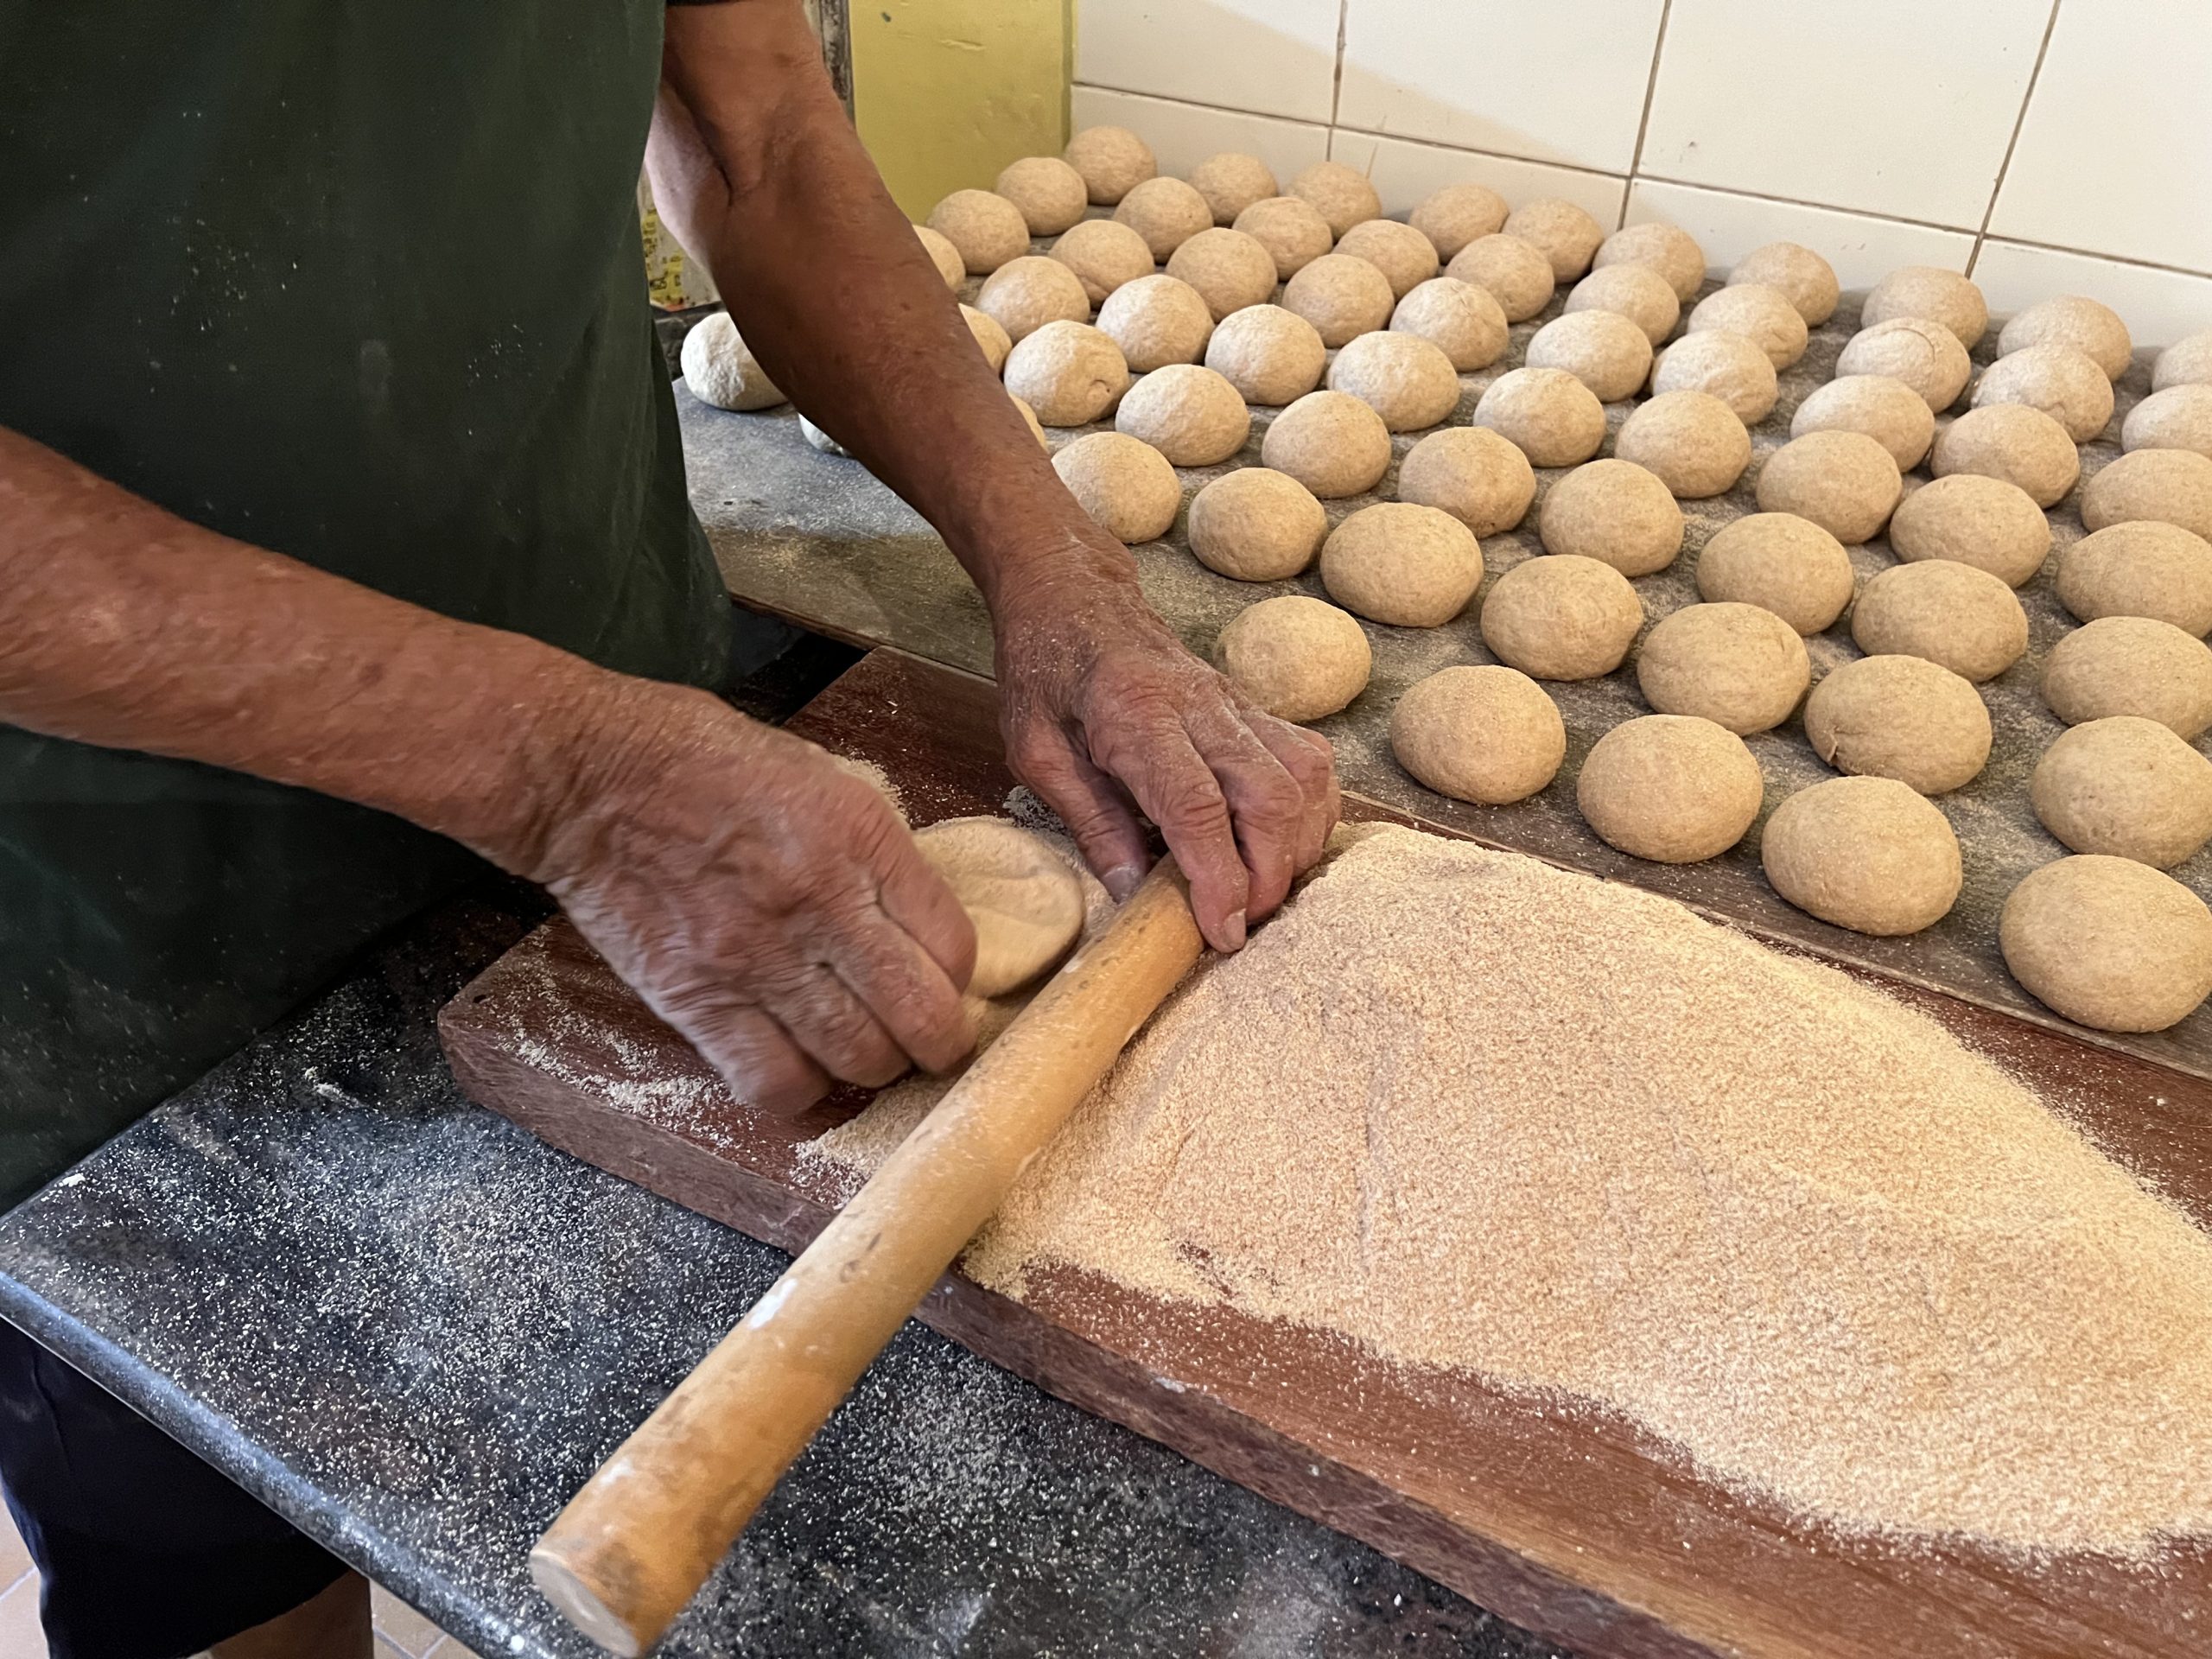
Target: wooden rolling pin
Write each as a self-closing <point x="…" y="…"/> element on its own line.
<point x="637" y="1543"/>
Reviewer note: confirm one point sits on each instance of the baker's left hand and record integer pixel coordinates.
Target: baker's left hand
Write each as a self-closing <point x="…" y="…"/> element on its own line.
<point x="1105" y="714"/>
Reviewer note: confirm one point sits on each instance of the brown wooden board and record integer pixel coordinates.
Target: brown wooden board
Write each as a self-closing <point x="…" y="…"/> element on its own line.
<point x="816" y="539"/>
<point x="1564" y="1519"/>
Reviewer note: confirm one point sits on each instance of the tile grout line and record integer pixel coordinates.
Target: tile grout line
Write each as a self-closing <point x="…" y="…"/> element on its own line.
<point x="1650" y="97"/>
<point x="1337" y="83"/>
<point x="1799" y="202"/>
<point x="2128" y="260"/>
<point x="1322" y="127"/>
<point x="2019" y="123"/>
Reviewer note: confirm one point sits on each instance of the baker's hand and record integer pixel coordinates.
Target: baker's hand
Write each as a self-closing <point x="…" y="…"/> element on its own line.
<point x="1105" y="714"/>
<point x="767" y="904"/>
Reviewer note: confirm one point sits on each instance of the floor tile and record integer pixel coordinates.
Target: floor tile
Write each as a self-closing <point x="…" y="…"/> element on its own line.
<point x="20" y="1635"/>
<point x="407" y="1630"/>
<point x="14" y="1559"/>
<point x="1272" y="57"/>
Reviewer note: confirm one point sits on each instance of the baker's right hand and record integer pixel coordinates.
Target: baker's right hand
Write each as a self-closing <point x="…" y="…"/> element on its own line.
<point x="767" y="904"/>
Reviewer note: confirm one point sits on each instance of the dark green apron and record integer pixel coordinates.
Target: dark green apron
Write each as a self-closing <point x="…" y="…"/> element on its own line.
<point x="360" y="282"/>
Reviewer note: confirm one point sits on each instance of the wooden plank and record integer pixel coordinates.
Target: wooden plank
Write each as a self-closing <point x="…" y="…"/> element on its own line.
<point x="1565" y="1520"/>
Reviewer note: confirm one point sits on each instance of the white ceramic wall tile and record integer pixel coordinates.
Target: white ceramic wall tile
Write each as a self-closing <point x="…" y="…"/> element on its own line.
<point x="1404" y="173"/>
<point x="2158" y="307"/>
<point x="1863" y="249"/>
<point x="2114" y="156"/>
<point x="1275" y="57"/>
<point x="1183" y="135"/>
<point x="1553" y="80"/>
<point x="1898" y="107"/>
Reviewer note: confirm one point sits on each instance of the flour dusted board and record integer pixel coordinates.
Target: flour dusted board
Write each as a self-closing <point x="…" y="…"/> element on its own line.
<point x="1570" y="1523"/>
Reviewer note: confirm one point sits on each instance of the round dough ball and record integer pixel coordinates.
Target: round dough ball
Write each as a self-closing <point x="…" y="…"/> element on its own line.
<point x="988" y="230"/>
<point x="1888" y="412"/>
<point x="1050" y="194"/>
<point x="1513" y="272"/>
<point x="1113" y="161"/>
<point x="2172" y="486"/>
<point x="1951" y="614"/>
<point x="1728" y="367"/>
<point x="1983" y="522"/>
<point x="1736" y="666"/>
<point x="1402" y="253"/>
<point x="1341" y="296"/>
<point x="1029" y="419"/>
<point x="2143" y="568"/>
<point x="1068" y="372"/>
<point x="1808" y="279"/>
<point x="1561" y="617"/>
<point x="2108" y="942"/>
<point x="1869" y="854"/>
<point x="1673" y="253"/>
<point x="1845" y="482"/>
<point x="1232" y="181"/>
<point x="1691" y="439"/>
<point x="2186" y="361"/>
<point x="1781" y="562"/>
<point x="1479" y="478"/>
<point x="1025" y="900"/>
<point x="1409" y="382"/>
<point x="1635" y="292"/>
<point x="2020" y="445"/>
<point x="1256" y="524"/>
<point x="1165" y="213"/>
<point x="2127" y="787"/>
<point x="1125" y="485"/>
<point x="1932" y="293"/>
<point x="817" y="438"/>
<point x="1331" y="442"/>
<point x="946" y="258"/>
<point x="990" y="339"/>
<point x="1458" y="214"/>
<point x="1671" y="788"/>
<point x="719" y="370"/>
<point x="1413" y="567"/>
<point x="2131" y="665"/>
<point x="1901" y="717"/>
<point x="2180" y="417"/>
<point x="1024" y="295"/>
<point x="1295" y="657"/>
<point x="1293" y="234"/>
<point x="1567" y="236"/>
<point x="1763" y="315"/>
<point x="1270" y="355"/>
<point x="1104" y="255"/>
<point x="1340" y="193"/>
<point x="1553" y="417"/>
<point x="1189" y="414"/>
<point x="1613" y="511"/>
<point x="2073" y="319"/>
<point x="1460" y="320"/>
<point x="1604" y="349"/>
<point x="1924" y="354"/>
<point x="1155" y="320"/>
<point x="1486" y="734"/>
<point x="1230" y="269"/>
<point x="2064" y="384"/>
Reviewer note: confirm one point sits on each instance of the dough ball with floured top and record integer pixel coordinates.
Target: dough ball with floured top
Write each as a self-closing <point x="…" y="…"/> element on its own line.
<point x="1125" y="485"/>
<point x="1888" y="412"/>
<point x="2180" y="417"/>
<point x="1402" y="377"/>
<point x="2087" y="324"/>
<point x="2131" y="665"/>
<point x="1458" y="319"/>
<point x="1931" y="292"/>
<point x="1230" y="269"/>
<point x="1513" y="272"/>
<point x="1604" y="349"/>
<point x="1024" y="295"/>
<point x="1068" y="372"/>
<point x="1983" y="522"/>
<point x="1458" y="214"/>
<point x="2188" y="360"/>
<point x="1475" y="474"/>
<point x="1272" y="356"/>
<point x="1869" y="854"/>
<point x="1341" y="194"/>
<point x="2173" y="487"/>
<point x="1763" y="315"/>
<point x="1565" y="234"/>
<point x="1256" y="524"/>
<point x="2143" y="568"/>
<point x="1786" y="564"/>
<point x="2064" y="384"/>
<point x="1845" y="482"/>
<point x="1485" y="734"/>
<point x="1561" y="617"/>
<point x="1691" y="439"/>
<point x="1736" y="666"/>
<point x="986" y="229"/>
<point x="720" y="369"/>
<point x="2020" y="445"/>
<point x="990" y="339"/>
<point x="1671" y="251"/>
<point x="1670" y="788"/>
<point x="1951" y="614"/>
<point x="1156" y="321"/>
<point x="1918" y="351"/>
<point x="2108" y="942"/>
<point x="2127" y="787"/>
<point x="1231" y="181"/>
<point x="1029" y="419"/>
<point x="1901" y="717"/>
<point x="1050" y="194"/>
<point x="1189" y="414"/>
<point x="1104" y="255"/>
<point x="1113" y="161"/>
<point x="1296" y="658"/>
<point x="1402" y="253"/>
<point x="1614" y="512"/>
<point x="1635" y="292"/>
<point x="1290" y="229"/>
<point x="1804" y="276"/>
<point x="1728" y="367"/>
<point x="1165" y="213"/>
<point x="1553" y="417"/>
<point x="1411" y="567"/>
<point x="1341" y="296"/>
<point x="1025" y="900"/>
<point x="1331" y="442"/>
<point x="946" y="258"/>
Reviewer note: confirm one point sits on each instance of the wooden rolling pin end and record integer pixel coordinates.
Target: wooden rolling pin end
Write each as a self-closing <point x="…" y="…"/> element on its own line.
<point x="580" y="1603"/>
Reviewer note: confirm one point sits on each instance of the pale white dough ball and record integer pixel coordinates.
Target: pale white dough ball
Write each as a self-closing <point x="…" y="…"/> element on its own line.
<point x="720" y="370"/>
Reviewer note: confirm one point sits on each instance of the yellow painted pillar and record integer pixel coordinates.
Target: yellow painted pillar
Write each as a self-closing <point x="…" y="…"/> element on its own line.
<point x="945" y="93"/>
